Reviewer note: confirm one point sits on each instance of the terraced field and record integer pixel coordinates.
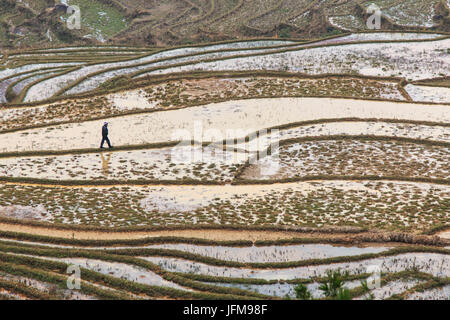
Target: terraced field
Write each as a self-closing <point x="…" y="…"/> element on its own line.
<point x="240" y="170"/>
<point x="41" y="23"/>
<point x="410" y="13"/>
<point x="74" y="72"/>
<point x="155" y="271"/>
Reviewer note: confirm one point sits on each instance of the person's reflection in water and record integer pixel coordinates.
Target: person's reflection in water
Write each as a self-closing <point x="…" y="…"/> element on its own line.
<point x="105" y="163"/>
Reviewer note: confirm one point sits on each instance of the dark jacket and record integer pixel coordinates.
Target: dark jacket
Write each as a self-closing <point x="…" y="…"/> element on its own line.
<point x="104" y="131"/>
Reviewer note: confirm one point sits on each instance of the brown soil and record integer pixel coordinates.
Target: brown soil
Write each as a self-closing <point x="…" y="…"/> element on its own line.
<point x="444" y="234"/>
<point x="212" y="234"/>
<point x="361" y="239"/>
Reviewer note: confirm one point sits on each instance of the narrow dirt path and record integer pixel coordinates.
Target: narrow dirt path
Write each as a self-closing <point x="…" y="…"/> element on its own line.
<point x="210" y="234"/>
<point x="359" y="239"/>
<point x="444" y="235"/>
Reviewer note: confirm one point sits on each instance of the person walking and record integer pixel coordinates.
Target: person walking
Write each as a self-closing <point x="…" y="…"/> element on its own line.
<point x="105" y="136"/>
